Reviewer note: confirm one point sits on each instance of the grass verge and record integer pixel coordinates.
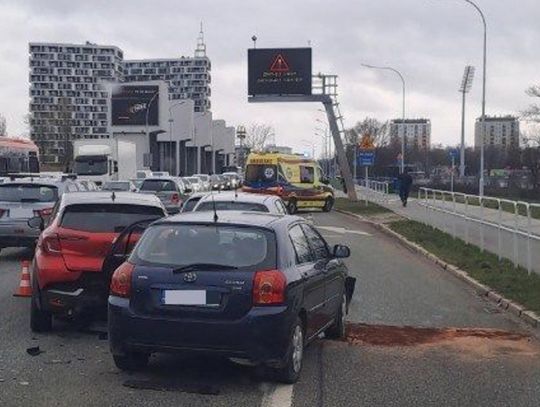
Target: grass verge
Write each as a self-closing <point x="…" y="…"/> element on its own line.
<point x="514" y="284"/>
<point x="359" y="207"/>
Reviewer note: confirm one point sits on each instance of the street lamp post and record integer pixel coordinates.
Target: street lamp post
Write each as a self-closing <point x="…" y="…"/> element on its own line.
<point x="146" y="119"/>
<point x="466" y="84"/>
<point x="388" y="68"/>
<point x="483" y="117"/>
<point x="171" y="121"/>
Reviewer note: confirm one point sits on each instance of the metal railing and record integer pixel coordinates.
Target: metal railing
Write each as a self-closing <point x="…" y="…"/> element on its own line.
<point x="376" y="190"/>
<point x="502" y="214"/>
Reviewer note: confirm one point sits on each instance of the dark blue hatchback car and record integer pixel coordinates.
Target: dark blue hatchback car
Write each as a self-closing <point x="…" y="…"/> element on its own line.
<point x="249" y="286"/>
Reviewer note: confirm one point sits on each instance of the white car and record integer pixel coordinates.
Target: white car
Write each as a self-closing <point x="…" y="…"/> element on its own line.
<point x="205" y="181"/>
<point x="231" y="201"/>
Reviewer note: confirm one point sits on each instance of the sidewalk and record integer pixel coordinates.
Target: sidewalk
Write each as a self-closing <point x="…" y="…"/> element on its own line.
<point x="503" y="241"/>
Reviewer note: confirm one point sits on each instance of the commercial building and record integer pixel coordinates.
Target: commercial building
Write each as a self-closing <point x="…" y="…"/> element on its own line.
<point x="501" y="131"/>
<point x="417" y="132"/>
<point x="71" y="88"/>
<point x="68" y="99"/>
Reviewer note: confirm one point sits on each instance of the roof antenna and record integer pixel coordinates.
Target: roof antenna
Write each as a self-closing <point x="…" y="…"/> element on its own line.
<point x="214" y="207"/>
<point x="113" y="196"/>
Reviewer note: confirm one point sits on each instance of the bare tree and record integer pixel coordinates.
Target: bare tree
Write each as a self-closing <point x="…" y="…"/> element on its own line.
<point x="3" y="126"/>
<point x="369" y="126"/>
<point x="258" y="136"/>
<point x="532" y="113"/>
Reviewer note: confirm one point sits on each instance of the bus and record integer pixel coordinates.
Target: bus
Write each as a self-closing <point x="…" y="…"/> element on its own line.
<point x="299" y="181"/>
<point x="18" y="155"/>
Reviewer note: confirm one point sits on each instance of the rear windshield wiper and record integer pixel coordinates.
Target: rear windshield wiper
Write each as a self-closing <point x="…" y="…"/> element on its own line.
<point x="204" y="266"/>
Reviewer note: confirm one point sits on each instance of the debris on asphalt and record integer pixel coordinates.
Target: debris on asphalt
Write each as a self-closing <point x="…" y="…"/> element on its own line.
<point x="34" y="351"/>
<point x="24" y="383"/>
<point x="386" y="335"/>
<point x="160" y="385"/>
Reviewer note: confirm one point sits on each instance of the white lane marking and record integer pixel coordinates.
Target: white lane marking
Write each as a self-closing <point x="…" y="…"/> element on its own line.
<point x="278" y="395"/>
<point x="342" y="231"/>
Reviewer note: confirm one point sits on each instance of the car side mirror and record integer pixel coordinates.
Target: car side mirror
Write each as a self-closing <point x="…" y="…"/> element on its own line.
<point x="36" y="222"/>
<point x="341" y="251"/>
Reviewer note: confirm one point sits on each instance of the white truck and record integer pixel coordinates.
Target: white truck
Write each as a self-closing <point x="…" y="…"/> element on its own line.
<point x="104" y="160"/>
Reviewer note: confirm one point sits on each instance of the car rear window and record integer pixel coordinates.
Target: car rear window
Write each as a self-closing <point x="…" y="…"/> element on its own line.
<point x="106" y="218"/>
<point x="28" y="193"/>
<point x="116" y="186"/>
<point x="180" y="245"/>
<point x="261" y="173"/>
<point x="157" y="185"/>
<point x="190" y="204"/>
<point x="231" y="206"/>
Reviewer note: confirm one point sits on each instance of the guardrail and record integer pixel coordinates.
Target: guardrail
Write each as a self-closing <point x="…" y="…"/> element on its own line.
<point x="379" y="189"/>
<point x="486" y="211"/>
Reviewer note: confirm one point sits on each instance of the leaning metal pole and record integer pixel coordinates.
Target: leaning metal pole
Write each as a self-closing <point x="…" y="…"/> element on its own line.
<point x="339" y="149"/>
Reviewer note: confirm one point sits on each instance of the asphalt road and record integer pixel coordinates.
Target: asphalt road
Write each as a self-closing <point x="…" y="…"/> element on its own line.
<point x="382" y="364"/>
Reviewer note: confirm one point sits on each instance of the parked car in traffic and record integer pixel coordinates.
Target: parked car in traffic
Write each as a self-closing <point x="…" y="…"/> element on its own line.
<point x="253" y="287"/>
<point x="67" y="278"/>
<point x="167" y="189"/>
<point x="89" y="185"/>
<point x="24" y="198"/>
<point x="119" y="186"/>
<point x="192" y="201"/>
<point x="231" y="201"/>
<point x="218" y="183"/>
<point x="234" y="179"/>
<point x="195" y="183"/>
<point x="205" y="181"/>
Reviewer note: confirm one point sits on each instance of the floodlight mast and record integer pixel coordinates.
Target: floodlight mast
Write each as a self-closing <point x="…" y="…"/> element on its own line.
<point x="466" y="84"/>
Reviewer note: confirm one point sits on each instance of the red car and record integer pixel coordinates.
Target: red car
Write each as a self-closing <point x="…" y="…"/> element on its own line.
<point x="67" y="277"/>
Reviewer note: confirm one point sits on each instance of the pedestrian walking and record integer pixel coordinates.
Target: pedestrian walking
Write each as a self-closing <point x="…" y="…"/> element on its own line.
<point x="405" y="183"/>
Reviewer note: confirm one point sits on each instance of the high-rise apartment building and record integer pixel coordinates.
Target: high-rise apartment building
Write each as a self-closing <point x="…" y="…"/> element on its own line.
<point x="500" y="131"/>
<point x="68" y="99"/>
<point x="417" y="132"/>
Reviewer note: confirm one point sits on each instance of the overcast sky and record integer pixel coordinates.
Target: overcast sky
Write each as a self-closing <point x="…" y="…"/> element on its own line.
<point x="429" y="41"/>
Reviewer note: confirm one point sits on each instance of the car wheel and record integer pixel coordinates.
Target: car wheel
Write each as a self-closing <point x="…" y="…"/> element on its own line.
<point x="40" y="321"/>
<point x="337" y="330"/>
<point x="131" y="361"/>
<point x="290" y="372"/>
<point x="328" y="204"/>
<point x="292" y="206"/>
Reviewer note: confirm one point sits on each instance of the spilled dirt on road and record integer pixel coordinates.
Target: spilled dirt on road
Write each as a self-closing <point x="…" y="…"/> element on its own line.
<point x="478" y="341"/>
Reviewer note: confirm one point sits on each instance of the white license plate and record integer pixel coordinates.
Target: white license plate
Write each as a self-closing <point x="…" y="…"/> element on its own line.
<point x="184" y="297"/>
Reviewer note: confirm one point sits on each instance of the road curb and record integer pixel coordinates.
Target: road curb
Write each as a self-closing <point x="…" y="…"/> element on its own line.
<point x="505" y="304"/>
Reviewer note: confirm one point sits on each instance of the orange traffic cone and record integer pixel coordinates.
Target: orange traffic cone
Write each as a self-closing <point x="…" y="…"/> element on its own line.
<point x="25" y="288"/>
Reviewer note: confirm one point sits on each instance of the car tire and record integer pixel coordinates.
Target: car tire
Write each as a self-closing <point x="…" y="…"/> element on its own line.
<point x="40" y="321"/>
<point x="290" y="372"/>
<point x="292" y="206"/>
<point x="328" y="204"/>
<point x="131" y="361"/>
<point x="337" y="330"/>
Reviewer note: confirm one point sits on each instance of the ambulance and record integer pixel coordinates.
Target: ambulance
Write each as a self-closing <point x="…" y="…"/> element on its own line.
<point x="299" y="181"/>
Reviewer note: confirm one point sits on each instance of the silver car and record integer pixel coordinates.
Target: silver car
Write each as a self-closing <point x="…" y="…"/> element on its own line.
<point x="168" y="189"/>
<point x="26" y="198"/>
<point x="231" y="201"/>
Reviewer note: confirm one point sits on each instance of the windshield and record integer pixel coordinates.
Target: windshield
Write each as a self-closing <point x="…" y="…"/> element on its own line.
<point x="106" y="218"/>
<point x="90" y="165"/>
<point x="181" y="245"/>
<point x="260" y="173"/>
<point x="28" y="193"/>
<point x="157" y="185"/>
<point x="231" y="206"/>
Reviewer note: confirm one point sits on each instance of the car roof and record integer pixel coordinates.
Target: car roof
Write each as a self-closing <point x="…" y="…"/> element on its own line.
<point x="37" y="181"/>
<point x="163" y="178"/>
<point x="239" y="197"/>
<point x="258" y="219"/>
<point x="197" y="195"/>
<point x="93" y="197"/>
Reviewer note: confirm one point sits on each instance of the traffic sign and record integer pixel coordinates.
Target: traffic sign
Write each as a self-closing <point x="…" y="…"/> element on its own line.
<point x="366" y="158"/>
<point x="454" y="153"/>
<point x="366" y="143"/>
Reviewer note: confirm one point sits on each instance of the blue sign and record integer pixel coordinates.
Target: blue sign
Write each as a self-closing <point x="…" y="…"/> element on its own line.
<point x="454" y="153"/>
<point x="366" y="158"/>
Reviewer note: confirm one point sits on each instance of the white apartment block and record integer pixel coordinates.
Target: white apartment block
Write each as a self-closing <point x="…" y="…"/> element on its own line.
<point x="417" y="132"/>
<point x="70" y="99"/>
<point x="67" y="97"/>
<point x="500" y="131"/>
<point x="187" y="78"/>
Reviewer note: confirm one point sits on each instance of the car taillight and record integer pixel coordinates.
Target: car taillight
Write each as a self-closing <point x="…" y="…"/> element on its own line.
<point x="175" y="198"/>
<point x="269" y="287"/>
<point x="43" y="212"/>
<point x="51" y="244"/>
<point x="121" y="280"/>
